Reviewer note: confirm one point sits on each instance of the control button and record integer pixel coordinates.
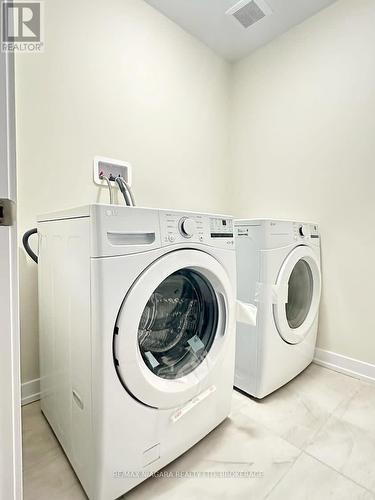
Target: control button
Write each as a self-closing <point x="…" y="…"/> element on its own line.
<point x="188" y="227"/>
<point x="171" y="238"/>
<point x="301" y="231"/>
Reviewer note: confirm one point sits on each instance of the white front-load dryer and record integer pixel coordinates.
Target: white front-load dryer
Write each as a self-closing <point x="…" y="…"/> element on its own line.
<point x="137" y="337"/>
<point x="278" y="270"/>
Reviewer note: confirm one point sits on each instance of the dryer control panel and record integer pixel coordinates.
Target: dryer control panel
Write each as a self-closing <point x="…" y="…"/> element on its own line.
<point x="305" y="231"/>
<point x="187" y="227"/>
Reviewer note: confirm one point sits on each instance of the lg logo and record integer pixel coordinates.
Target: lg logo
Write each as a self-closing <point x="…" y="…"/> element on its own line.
<point x="22" y="26"/>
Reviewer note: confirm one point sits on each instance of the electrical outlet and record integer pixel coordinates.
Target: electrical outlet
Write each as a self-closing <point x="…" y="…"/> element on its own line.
<point x="111" y="168"/>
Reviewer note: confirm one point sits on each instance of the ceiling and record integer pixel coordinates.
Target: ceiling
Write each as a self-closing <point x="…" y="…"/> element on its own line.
<point x="208" y="21"/>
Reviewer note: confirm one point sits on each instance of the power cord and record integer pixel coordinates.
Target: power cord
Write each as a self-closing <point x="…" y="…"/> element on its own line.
<point x="25" y="242"/>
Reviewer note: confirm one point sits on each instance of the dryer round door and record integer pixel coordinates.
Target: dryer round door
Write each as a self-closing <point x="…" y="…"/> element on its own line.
<point x="298" y="288"/>
<point x="172" y="328"/>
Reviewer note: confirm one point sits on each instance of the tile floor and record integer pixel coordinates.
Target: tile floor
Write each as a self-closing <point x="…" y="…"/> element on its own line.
<point x="312" y="439"/>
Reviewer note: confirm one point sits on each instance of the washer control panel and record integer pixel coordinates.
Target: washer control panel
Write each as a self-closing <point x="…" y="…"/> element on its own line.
<point x="221" y="228"/>
<point x="187" y="227"/>
<point x="196" y="228"/>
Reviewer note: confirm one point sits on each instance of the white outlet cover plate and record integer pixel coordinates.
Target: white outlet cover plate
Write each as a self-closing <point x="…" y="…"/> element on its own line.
<point x="111" y="166"/>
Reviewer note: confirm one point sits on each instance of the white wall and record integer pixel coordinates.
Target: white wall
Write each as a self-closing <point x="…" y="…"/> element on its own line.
<point x="303" y="147"/>
<point x="120" y="80"/>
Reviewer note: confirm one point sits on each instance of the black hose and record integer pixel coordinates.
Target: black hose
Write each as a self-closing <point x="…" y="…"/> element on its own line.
<point x="123" y="191"/>
<point x="129" y="191"/>
<point x="25" y="242"/>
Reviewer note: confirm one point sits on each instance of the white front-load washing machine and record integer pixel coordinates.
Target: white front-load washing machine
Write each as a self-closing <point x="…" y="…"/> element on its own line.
<point x="137" y="337"/>
<point x="278" y="270"/>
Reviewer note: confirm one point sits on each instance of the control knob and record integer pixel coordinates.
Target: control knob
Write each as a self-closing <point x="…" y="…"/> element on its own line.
<point x="188" y="227"/>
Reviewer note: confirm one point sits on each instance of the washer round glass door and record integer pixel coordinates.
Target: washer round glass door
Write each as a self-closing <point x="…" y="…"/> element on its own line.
<point x="178" y="324"/>
<point x="298" y="289"/>
<point x="171" y="328"/>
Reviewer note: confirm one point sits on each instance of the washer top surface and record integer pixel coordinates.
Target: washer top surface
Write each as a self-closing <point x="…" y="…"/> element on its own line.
<point x="88" y="211"/>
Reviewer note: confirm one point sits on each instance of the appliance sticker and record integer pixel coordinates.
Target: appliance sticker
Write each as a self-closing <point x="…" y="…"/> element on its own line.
<point x="242" y="232"/>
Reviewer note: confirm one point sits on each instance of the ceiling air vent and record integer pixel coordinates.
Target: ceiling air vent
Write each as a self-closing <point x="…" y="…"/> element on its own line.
<point x="248" y="13"/>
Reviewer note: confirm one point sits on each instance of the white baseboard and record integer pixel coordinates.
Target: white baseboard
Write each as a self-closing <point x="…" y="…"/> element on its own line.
<point x="30" y="391"/>
<point x="344" y="364"/>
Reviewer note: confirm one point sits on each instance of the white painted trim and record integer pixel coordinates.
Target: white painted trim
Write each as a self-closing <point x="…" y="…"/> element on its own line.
<point x="30" y="391"/>
<point x="10" y="385"/>
<point x="343" y="364"/>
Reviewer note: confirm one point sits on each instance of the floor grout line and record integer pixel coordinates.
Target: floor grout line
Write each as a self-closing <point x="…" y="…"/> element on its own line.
<point x="284" y="475"/>
<point x="325" y="422"/>
<point x="340" y="473"/>
<point x="330" y="416"/>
